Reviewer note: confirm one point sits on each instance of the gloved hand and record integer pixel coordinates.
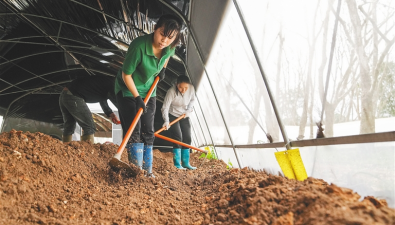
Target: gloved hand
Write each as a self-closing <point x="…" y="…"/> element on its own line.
<point x="114" y="118"/>
<point x="188" y="114"/>
<point x="161" y="74"/>
<point x="140" y="104"/>
<point x="166" y="124"/>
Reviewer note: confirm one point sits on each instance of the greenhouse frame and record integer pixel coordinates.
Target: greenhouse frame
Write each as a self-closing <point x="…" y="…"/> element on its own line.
<point x="269" y="76"/>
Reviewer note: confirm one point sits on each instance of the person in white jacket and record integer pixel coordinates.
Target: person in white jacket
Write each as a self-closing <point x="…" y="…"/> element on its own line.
<point x="179" y="100"/>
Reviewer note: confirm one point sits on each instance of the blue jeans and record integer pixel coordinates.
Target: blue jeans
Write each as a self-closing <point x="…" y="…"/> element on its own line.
<point x="74" y="109"/>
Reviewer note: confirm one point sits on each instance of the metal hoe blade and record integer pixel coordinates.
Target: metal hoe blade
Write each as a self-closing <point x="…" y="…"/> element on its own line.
<point x="117" y="164"/>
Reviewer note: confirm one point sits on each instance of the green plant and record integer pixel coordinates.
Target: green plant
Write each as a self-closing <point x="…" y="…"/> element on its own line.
<point x="210" y="154"/>
<point x="229" y="165"/>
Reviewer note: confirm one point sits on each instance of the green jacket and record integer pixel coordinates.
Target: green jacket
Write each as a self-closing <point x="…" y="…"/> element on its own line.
<point x="143" y="65"/>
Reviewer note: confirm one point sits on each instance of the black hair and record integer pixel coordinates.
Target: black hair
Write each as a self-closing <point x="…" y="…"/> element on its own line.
<point x="170" y="23"/>
<point x="182" y="79"/>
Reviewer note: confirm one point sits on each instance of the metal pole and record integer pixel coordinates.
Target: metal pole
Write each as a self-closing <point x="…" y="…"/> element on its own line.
<point x="280" y="123"/>
<point x="197" y="117"/>
<point x="6" y="112"/>
<point x="204" y="118"/>
<point x="200" y="106"/>
<point x="194" y="41"/>
<point x="35" y="89"/>
<point x="245" y="105"/>
<point x="194" y="131"/>
<point x="39" y="76"/>
<point x="22" y="15"/>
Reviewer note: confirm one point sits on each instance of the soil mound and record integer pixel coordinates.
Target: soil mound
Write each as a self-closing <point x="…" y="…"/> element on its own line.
<point x="43" y="181"/>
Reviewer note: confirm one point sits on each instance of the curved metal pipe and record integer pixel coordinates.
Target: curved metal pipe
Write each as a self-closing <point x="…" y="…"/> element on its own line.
<point x="27" y="71"/>
<point x="43" y="32"/>
<point x="89" y="45"/>
<point x="94" y="70"/>
<point x="194" y="41"/>
<point x="39" y="76"/>
<point x="279" y="121"/>
<point x="34" y="90"/>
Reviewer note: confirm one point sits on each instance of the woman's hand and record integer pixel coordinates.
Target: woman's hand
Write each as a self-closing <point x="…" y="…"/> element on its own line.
<point x="188" y="113"/>
<point x="162" y="74"/>
<point x="114" y="118"/>
<point x="166" y="124"/>
<point x="140" y="104"/>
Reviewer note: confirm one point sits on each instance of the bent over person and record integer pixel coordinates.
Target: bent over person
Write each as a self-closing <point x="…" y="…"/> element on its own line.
<point x="179" y="100"/>
<point x="147" y="57"/>
<point x="73" y="99"/>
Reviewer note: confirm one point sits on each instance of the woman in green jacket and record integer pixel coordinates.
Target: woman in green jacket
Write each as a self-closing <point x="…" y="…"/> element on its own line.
<point x="147" y="57"/>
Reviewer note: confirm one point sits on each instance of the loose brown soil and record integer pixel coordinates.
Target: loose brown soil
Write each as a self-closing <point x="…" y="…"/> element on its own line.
<point x="43" y="181"/>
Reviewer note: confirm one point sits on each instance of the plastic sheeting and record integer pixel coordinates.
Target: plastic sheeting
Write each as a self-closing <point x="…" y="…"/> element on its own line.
<point x="238" y="83"/>
<point x="368" y="169"/>
<point x="294" y="40"/>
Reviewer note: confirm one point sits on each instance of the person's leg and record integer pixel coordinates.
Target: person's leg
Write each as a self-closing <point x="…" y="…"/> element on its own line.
<point x="185" y="126"/>
<point x="175" y="131"/>
<point x="127" y="111"/>
<point x="68" y="119"/>
<point x="82" y="114"/>
<point x="176" y="134"/>
<point x="147" y="132"/>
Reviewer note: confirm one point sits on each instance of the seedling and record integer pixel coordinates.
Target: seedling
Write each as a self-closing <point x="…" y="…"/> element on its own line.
<point x="229" y="165"/>
<point x="210" y="154"/>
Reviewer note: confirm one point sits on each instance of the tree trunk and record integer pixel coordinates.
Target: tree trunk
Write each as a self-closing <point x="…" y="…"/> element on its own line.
<point x="303" y="119"/>
<point x="367" y="113"/>
<point x="252" y="123"/>
<point x="329" y="119"/>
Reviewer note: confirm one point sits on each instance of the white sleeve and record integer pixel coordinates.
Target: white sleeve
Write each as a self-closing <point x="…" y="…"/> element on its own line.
<point x="170" y="95"/>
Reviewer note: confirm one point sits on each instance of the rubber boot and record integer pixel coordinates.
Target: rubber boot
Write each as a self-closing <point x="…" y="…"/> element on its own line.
<point x="148" y="159"/>
<point x="135" y="154"/>
<point x="88" y="137"/>
<point x="67" y="138"/>
<point x="177" y="158"/>
<point x="128" y="148"/>
<point x="185" y="159"/>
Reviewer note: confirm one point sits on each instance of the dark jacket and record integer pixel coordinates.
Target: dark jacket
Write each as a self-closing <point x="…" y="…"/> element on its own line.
<point x="95" y="89"/>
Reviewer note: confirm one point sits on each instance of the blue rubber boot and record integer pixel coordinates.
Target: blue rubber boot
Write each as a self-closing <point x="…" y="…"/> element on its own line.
<point x="177" y="158"/>
<point x="135" y="154"/>
<point x="185" y="159"/>
<point x="128" y="148"/>
<point x="148" y="158"/>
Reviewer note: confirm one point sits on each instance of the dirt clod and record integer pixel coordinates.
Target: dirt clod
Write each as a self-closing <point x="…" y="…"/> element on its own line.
<point x="43" y="181"/>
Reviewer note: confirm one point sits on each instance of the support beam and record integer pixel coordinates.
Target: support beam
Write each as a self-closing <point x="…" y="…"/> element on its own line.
<point x="352" y="139"/>
<point x="32" y="91"/>
<point x="23" y="16"/>
<point x="279" y="121"/>
<point x="191" y="33"/>
<point x="28" y="71"/>
<point x="38" y="76"/>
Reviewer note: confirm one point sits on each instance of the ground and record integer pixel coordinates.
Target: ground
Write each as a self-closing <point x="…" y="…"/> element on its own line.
<point x="43" y="181"/>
